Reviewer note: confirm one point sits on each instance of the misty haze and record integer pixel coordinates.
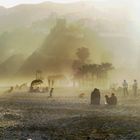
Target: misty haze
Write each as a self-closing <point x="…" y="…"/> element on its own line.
<point x="70" y="70"/>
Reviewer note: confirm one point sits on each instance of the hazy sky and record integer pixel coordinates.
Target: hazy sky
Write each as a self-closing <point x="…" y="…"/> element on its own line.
<point x="10" y="3"/>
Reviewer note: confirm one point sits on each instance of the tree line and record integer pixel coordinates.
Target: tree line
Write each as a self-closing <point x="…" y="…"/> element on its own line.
<point x="89" y="74"/>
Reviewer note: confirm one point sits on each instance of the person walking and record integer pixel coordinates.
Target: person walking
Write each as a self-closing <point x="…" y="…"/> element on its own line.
<point x="51" y="91"/>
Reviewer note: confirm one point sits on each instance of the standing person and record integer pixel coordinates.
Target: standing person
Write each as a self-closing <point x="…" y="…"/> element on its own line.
<point x="51" y="91"/>
<point x="135" y="87"/>
<point x="95" y="97"/>
<point x="49" y="82"/>
<point x="125" y="88"/>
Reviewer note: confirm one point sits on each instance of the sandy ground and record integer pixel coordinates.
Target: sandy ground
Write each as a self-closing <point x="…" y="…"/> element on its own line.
<point x="34" y="116"/>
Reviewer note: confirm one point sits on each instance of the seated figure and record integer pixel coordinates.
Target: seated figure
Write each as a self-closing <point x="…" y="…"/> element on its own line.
<point x="95" y="97"/>
<point x="111" y="100"/>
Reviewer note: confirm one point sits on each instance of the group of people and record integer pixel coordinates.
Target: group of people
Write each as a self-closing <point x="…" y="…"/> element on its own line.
<point x="96" y="97"/>
<point x="134" y="88"/>
<point x="112" y="100"/>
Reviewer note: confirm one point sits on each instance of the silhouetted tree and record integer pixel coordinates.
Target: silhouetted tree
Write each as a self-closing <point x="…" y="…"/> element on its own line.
<point x="78" y="66"/>
<point x="83" y="54"/>
<point x="94" y="73"/>
<point x="89" y="74"/>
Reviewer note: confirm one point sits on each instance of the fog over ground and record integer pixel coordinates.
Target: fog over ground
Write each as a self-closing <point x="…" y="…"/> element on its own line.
<point x="50" y="33"/>
<point x="53" y="55"/>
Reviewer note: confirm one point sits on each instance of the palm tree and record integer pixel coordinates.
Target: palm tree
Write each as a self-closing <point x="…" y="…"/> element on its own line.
<point x="93" y="73"/>
<point x="106" y="67"/>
